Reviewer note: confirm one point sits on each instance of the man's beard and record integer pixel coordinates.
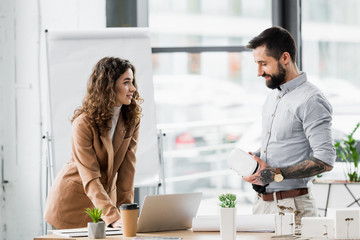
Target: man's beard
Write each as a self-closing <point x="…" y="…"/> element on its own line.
<point x="276" y="80"/>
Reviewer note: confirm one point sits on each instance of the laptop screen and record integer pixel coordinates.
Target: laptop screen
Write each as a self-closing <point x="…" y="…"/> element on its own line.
<point x="168" y="212"/>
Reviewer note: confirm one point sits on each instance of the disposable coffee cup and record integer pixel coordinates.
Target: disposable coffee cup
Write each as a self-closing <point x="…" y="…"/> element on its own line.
<point x="129" y="217"/>
<point x="242" y="162"/>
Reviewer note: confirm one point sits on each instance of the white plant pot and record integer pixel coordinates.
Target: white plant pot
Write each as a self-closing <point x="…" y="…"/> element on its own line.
<point x="347" y="222"/>
<point x="228" y="223"/>
<point x="96" y="230"/>
<point x="317" y="227"/>
<point x="285" y="224"/>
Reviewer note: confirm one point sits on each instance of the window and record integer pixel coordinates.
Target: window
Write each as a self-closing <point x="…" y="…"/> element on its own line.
<point x="331" y="46"/>
<point x="208" y="97"/>
<point x="206" y="22"/>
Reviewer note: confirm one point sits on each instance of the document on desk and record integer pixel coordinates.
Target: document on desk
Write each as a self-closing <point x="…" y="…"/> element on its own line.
<point x="244" y="223"/>
<point x="83" y="232"/>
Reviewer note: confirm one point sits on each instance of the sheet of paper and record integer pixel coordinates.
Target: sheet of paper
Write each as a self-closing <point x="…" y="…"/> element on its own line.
<point x="244" y="223"/>
<point x="83" y="232"/>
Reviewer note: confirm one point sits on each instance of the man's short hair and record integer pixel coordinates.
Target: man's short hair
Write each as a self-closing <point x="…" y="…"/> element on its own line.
<point x="277" y="41"/>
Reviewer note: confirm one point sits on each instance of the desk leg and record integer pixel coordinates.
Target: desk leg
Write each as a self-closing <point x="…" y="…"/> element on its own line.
<point x="356" y="200"/>
<point x="327" y="200"/>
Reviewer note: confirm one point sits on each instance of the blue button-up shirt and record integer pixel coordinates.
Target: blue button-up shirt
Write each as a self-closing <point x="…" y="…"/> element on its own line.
<point x="296" y="124"/>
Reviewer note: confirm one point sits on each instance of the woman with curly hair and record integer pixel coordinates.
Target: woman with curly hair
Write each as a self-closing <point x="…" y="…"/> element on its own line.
<point x="101" y="169"/>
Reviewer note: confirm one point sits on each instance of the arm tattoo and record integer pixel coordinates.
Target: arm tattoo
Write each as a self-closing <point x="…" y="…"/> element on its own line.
<point x="266" y="175"/>
<point x="307" y="168"/>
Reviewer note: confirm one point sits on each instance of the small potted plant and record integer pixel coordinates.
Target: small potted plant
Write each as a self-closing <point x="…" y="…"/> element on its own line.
<point x="96" y="229"/>
<point x="347" y="152"/>
<point x="285" y="221"/>
<point x="227" y="216"/>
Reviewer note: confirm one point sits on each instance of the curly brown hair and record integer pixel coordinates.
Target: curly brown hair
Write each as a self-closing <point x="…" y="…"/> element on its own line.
<point x="100" y="98"/>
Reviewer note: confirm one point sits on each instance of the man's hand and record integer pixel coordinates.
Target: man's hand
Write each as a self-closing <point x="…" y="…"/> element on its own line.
<point x="263" y="176"/>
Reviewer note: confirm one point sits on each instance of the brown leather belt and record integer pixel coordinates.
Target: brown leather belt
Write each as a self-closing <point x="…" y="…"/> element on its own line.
<point x="284" y="194"/>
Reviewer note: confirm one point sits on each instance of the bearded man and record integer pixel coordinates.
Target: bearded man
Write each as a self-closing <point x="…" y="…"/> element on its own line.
<point x="296" y="129"/>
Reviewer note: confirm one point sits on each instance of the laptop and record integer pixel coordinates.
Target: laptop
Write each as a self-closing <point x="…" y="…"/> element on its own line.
<point x="168" y="212"/>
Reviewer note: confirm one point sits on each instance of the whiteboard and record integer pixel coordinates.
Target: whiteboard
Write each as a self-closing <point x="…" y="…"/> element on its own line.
<point x="71" y="56"/>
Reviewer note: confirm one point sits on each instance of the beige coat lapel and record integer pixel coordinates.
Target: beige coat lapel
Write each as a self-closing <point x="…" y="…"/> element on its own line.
<point x="119" y="133"/>
<point x="113" y="146"/>
<point x="109" y="148"/>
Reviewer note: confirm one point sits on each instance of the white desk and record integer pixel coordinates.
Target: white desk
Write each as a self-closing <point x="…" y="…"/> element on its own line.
<point x="185" y="234"/>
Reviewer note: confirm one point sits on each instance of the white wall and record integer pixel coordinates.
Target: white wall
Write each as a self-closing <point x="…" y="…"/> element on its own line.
<point x="7" y="99"/>
<point x="22" y="24"/>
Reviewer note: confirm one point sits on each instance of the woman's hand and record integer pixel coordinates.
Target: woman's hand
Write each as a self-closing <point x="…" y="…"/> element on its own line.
<point x="263" y="176"/>
<point x="117" y="224"/>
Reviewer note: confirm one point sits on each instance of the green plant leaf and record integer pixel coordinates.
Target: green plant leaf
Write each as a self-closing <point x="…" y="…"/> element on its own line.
<point x="95" y="214"/>
<point x="347" y="152"/>
<point x="227" y="200"/>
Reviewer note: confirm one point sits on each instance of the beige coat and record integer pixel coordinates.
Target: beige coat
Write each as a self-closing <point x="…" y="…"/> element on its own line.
<point x="100" y="173"/>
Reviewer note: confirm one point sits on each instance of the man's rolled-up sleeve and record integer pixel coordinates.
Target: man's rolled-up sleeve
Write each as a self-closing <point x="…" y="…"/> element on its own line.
<point x="317" y="127"/>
